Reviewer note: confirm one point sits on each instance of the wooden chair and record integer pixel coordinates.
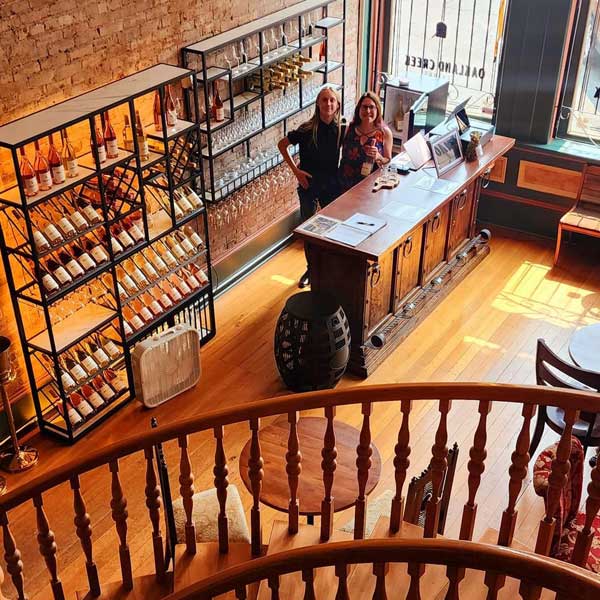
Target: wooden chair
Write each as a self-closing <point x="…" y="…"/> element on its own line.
<point x="420" y="491"/>
<point x="584" y="217"/>
<point x="553" y="371"/>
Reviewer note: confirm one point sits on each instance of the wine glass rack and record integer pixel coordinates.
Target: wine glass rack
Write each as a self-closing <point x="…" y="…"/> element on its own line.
<point x="248" y="84"/>
<point x="115" y="249"/>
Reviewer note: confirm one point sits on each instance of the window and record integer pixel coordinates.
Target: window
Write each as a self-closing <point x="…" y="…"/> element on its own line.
<point x="459" y="40"/>
<point x="579" y="115"/>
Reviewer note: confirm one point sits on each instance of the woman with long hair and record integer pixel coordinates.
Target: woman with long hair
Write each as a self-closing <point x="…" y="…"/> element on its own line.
<point x="368" y="143"/>
<point x="320" y="139"/>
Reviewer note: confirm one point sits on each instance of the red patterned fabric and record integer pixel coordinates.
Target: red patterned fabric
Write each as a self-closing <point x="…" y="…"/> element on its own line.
<point x="567" y="542"/>
<point x="570" y="496"/>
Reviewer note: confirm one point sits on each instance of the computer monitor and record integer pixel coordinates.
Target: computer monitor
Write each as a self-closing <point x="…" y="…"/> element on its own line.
<point x="460" y="114"/>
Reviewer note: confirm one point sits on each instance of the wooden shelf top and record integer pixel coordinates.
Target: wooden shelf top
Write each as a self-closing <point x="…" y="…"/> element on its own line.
<point x="244" y="31"/>
<point x="76" y="109"/>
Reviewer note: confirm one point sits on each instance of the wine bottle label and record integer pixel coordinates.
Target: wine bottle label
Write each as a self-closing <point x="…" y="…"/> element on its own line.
<point x="169" y="259"/>
<point x="45" y="179"/>
<point x="73" y="415"/>
<point x="171" y="118"/>
<point x="99" y="254"/>
<point x="31" y="186"/>
<point x="91" y="214"/>
<point x="127" y="328"/>
<point x="106" y="391"/>
<point x="62" y="276"/>
<point x="85" y="408"/>
<point x="125" y="238"/>
<point x="74" y="268"/>
<point x="66" y="227"/>
<point x="139" y="278"/>
<point x="122" y="293"/>
<point x="144" y="150"/>
<point x="193" y="281"/>
<point x="174" y="293"/>
<point x="79" y="221"/>
<point x="178" y="212"/>
<point x="101" y="154"/>
<point x="128" y="284"/>
<point x="112" y="349"/>
<point x="185" y="206"/>
<point x="95" y="400"/>
<point x="196" y="240"/>
<point x="146" y="314"/>
<point x="41" y="243"/>
<point x="136" y="233"/>
<point x="53" y="234"/>
<point x="184" y="287"/>
<point x="101" y="357"/>
<point x="201" y="276"/>
<point x="188" y="246"/>
<point x="72" y="167"/>
<point x="118" y="384"/>
<point x="220" y="114"/>
<point x="112" y="148"/>
<point x="89" y="364"/>
<point x="58" y="174"/>
<point x="160" y="264"/>
<point x="136" y="322"/>
<point x="179" y="253"/>
<point x="128" y="143"/>
<point x="155" y="307"/>
<point x="366" y="168"/>
<point x="116" y="247"/>
<point x="67" y="381"/>
<point x="166" y="301"/>
<point x="49" y="283"/>
<point x="86" y="261"/>
<point x="78" y="372"/>
<point x="149" y="270"/>
<point x="193" y="198"/>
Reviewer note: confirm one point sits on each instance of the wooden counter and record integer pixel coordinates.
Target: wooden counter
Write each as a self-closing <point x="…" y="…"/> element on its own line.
<point x="392" y="280"/>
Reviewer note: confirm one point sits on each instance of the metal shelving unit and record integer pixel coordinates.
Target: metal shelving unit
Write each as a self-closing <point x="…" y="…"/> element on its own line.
<point x="53" y="324"/>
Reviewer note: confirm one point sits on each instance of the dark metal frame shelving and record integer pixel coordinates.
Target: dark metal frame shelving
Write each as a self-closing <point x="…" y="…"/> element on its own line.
<point x="197" y="306"/>
<point x="207" y="74"/>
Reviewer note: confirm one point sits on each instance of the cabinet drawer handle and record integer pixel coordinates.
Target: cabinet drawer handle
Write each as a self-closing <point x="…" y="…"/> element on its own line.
<point x="375" y="274"/>
<point x="462" y="200"/>
<point x="435" y="224"/>
<point x="408" y="246"/>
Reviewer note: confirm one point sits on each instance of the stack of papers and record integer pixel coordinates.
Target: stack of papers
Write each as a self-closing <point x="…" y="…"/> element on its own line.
<point x="351" y="232"/>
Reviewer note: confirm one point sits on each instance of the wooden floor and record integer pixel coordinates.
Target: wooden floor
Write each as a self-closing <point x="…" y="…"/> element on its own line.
<point x="486" y="330"/>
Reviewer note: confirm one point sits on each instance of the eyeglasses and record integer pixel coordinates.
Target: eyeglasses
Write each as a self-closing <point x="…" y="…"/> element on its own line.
<point x="367" y="107"/>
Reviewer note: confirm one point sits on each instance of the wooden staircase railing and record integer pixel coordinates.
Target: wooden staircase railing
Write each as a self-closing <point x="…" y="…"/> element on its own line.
<point x="553" y="575"/>
<point x="107" y="463"/>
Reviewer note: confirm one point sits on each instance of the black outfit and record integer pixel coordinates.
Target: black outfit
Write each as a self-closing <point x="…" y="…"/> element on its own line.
<point x="321" y="161"/>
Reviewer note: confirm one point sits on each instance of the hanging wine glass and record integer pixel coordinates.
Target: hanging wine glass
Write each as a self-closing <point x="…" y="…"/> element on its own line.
<point x="275" y="42"/>
<point x="284" y="40"/>
<point x="243" y="57"/>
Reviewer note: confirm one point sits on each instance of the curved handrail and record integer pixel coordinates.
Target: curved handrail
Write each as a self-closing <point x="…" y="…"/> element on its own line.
<point x="515" y="394"/>
<point x="552" y="574"/>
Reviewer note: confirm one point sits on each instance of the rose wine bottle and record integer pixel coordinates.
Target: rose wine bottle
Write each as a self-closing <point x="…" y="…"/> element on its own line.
<point x="126" y="281"/>
<point x="170" y="107"/>
<point x="103" y="388"/>
<point x="48" y="281"/>
<point x="157" y="112"/>
<point x="58" y="272"/>
<point x="67" y="381"/>
<point x="163" y="298"/>
<point x="98" y="146"/>
<point x="192" y="197"/>
<point x="140" y="279"/>
<point x="190" y="279"/>
<point x="142" y="139"/>
<point x="28" y="177"/>
<point x="180" y="284"/>
<point x="98" y="353"/>
<point x="90" y="213"/>
<point x="87" y="361"/>
<point x="69" y="157"/>
<point x="63" y="223"/>
<point x="133" y="229"/>
<point x="53" y="235"/>
<point x="116" y="380"/>
<point x="155" y="260"/>
<point x="109" y="347"/>
<point x="39" y="239"/>
<point x="176" y="249"/>
<point x="81" y="405"/>
<point x="114" y="243"/>
<point x="134" y="320"/>
<point x="166" y="255"/>
<point x="194" y="238"/>
<point x="82" y="257"/>
<point x="95" y="249"/>
<point x="42" y="168"/>
<point x="199" y="274"/>
<point x="74" y="369"/>
<point x="92" y="397"/>
<point x="218" y="108"/>
<point x="146" y="267"/>
<point x="73" y="416"/>
<point x="150" y="303"/>
<point x="171" y="291"/>
<point x="142" y="310"/>
<point x="110" y="138"/>
<point x="183" y="203"/>
<point x="72" y="266"/>
<point x="56" y="167"/>
<point x="126" y="240"/>
<point x="322" y="51"/>
<point x="185" y="243"/>
<point x="127" y="135"/>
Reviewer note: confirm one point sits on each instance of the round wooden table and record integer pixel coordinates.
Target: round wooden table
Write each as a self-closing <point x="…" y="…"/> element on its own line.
<point x="273" y="442"/>
<point x="584" y="347"/>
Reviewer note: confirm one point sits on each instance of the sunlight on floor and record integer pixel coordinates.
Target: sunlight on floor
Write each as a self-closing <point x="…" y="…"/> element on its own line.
<point x="531" y="292"/>
<point x="468" y="339"/>
<point x="282" y="279"/>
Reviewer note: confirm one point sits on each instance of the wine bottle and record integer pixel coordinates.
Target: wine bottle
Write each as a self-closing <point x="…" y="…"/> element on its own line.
<point x="69" y="157"/>
<point x="67" y="381"/>
<point x="134" y="320"/>
<point x="109" y="347"/>
<point x="53" y="235"/>
<point x="127" y="328"/>
<point x="175" y="248"/>
<point x="78" y="220"/>
<point x="218" y="108"/>
<point x="72" y="266"/>
<point x="90" y="213"/>
<point x="82" y="257"/>
<point x="74" y="369"/>
<point x="58" y="272"/>
<point x="399" y="118"/>
<point x="322" y="51"/>
<point x="126" y="281"/>
<point x="95" y="249"/>
<point x="190" y="279"/>
<point x="100" y="356"/>
<point x="42" y="168"/>
<point x="133" y="229"/>
<point x="39" y="239"/>
<point x="127" y="135"/>
<point x="160" y="295"/>
<point x="115" y="379"/>
<point x="155" y="260"/>
<point x="180" y="284"/>
<point x="63" y="223"/>
<point x="103" y="388"/>
<point x="142" y="310"/>
<point x="92" y="397"/>
<point x="186" y="244"/>
<point x="192" y="197"/>
<point x="56" y="167"/>
<point x="170" y="107"/>
<point x="114" y="243"/>
<point x="367" y="165"/>
<point x="166" y="255"/>
<point x="140" y="279"/>
<point x="87" y="361"/>
<point x="171" y="291"/>
<point x="146" y="267"/>
<point x="157" y="112"/>
<point x="194" y="238"/>
<point x="142" y="139"/>
<point x="73" y="416"/>
<point x="98" y="146"/>
<point x="199" y="274"/>
<point x="183" y="203"/>
<point x="48" y="281"/>
<point x="126" y="240"/>
<point x="81" y="405"/>
<point x="110" y="138"/>
<point x="150" y="303"/>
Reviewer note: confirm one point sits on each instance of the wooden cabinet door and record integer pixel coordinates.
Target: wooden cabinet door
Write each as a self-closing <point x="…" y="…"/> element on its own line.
<point x="408" y="265"/>
<point x="436" y="230"/>
<point x="379" y="292"/>
<point x="460" y="220"/>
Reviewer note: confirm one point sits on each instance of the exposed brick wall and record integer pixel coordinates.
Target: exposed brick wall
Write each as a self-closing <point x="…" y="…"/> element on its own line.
<point x="51" y="51"/>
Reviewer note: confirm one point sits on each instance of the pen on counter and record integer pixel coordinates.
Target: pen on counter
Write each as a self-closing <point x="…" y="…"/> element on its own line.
<point x="364" y="223"/>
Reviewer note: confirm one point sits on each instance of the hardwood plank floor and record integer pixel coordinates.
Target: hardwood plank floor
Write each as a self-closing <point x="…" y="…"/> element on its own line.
<point x="485" y="330"/>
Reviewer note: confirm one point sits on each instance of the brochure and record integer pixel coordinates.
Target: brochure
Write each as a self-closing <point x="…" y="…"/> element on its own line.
<point x="319" y="225"/>
<point x="352" y="231"/>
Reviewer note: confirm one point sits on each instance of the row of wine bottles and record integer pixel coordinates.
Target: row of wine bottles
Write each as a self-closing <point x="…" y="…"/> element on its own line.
<point x="185" y="199"/>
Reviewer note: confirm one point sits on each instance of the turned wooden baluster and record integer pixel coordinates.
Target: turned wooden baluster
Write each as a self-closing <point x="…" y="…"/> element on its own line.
<point x="517" y="473"/>
<point x="455" y="576"/>
<point x="293" y="469"/>
<point x="439" y="464"/>
<point x="118" y="505"/>
<point x="341" y="572"/>
<point x="415" y="570"/>
<point x="363" y="464"/>
<point x="84" y="533"/>
<point x="592" y="506"/>
<point x="380" y="571"/>
<point x="328" y="464"/>
<point x="154" y="502"/>
<point x="12" y="556"/>
<point x="240" y="593"/>
<point x="401" y="464"/>
<point x="221" y="482"/>
<point x="255" y="474"/>
<point x="47" y="546"/>
<point x="274" y="586"/>
<point x="186" y="491"/>
<point x="308" y="576"/>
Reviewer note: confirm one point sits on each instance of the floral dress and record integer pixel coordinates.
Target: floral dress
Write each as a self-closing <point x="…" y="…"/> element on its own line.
<point x="353" y="155"/>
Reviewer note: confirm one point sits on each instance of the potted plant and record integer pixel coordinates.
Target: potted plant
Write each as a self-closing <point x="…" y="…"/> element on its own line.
<point x="473" y="150"/>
